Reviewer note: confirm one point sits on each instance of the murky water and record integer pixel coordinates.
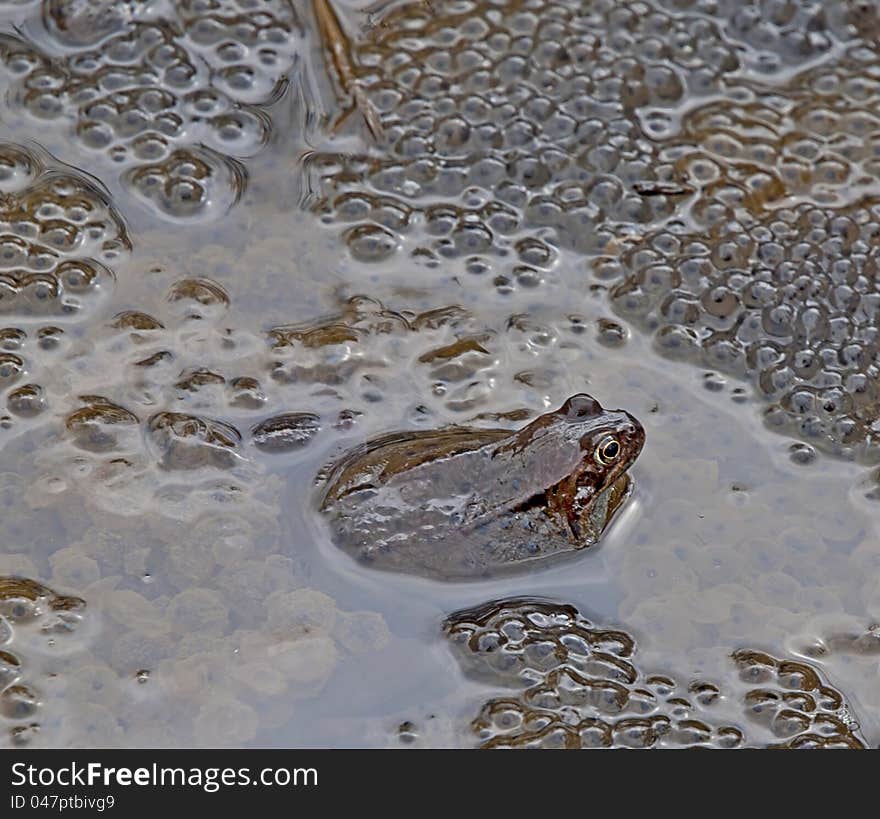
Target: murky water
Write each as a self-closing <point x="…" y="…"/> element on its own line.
<point x="214" y="280"/>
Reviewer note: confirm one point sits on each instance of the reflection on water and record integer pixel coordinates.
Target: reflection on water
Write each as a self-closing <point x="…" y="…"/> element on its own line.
<point x="213" y="285"/>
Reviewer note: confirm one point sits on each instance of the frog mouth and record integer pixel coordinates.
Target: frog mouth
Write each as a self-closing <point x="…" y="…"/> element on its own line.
<point x="605" y="506"/>
<point x="583" y="512"/>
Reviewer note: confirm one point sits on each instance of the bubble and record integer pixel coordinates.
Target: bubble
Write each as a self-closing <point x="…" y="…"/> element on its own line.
<point x="246" y="392"/>
<point x="35" y="619"/>
<point x="224" y="722"/>
<point x="371" y="243"/>
<point x="200" y="611"/>
<point x="189" y="185"/>
<point x="136" y="321"/>
<point x="362" y="631"/>
<point x="19" y="702"/>
<point x="286" y="432"/>
<point x="301" y="613"/>
<point x="194" y="381"/>
<point x="198" y="298"/>
<point x="184" y="442"/>
<point x="802" y="454"/>
<point x="19" y="168"/>
<point x="100" y="426"/>
<point x="611" y="333"/>
<point x="26" y="401"/>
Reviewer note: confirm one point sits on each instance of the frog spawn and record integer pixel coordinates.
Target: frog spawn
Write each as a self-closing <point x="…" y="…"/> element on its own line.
<point x="356" y="352"/>
<point x="787" y="303"/>
<point x="813" y="139"/>
<point x="356" y="356"/>
<point x="182" y="424"/>
<point x="580" y="686"/>
<point x="302" y="640"/>
<point x="125" y="448"/>
<point x="242" y="633"/>
<point x="731" y="168"/>
<point x="778" y="35"/>
<point x="749" y="284"/>
<point x="59" y="236"/>
<point x="205" y="664"/>
<point x="152" y="354"/>
<point x="390" y="212"/>
<point x="513" y="122"/>
<point x="136" y="460"/>
<point x="171" y="99"/>
<point x="197" y="383"/>
<point x="35" y="621"/>
<point x="133" y="445"/>
<point x="521" y="118"/>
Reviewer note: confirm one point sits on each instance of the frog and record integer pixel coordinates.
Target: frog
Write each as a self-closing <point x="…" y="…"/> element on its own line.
<point x="462" y="503"/>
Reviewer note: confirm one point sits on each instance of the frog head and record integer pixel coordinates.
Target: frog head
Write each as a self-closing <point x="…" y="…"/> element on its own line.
<point x="609" y="443"/>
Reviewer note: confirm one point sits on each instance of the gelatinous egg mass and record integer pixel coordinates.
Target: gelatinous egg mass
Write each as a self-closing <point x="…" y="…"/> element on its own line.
<point x="576" y="685"/>
<point x="167" y="97"/>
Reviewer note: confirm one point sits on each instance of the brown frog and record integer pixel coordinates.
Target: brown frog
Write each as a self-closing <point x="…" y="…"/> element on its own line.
<point x="461" y="503"/>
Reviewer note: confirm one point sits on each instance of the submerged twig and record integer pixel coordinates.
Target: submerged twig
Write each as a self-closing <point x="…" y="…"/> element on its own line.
<point x="338" y="46"/>
<point x="654" y="188"/>
<point x="376" y="12"/>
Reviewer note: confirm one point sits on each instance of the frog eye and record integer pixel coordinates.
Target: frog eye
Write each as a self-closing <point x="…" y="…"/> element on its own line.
<point x="581" y="406"/>
<point x="608" y="450"/>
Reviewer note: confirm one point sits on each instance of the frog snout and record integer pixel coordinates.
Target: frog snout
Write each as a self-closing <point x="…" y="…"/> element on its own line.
<point x="634" y="432"/>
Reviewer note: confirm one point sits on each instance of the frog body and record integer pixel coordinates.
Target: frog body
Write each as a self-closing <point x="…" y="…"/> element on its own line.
<point x="462" y="503"/>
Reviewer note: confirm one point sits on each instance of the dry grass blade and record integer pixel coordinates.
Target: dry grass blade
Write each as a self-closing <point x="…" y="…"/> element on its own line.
<point x="338" y="46"/>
